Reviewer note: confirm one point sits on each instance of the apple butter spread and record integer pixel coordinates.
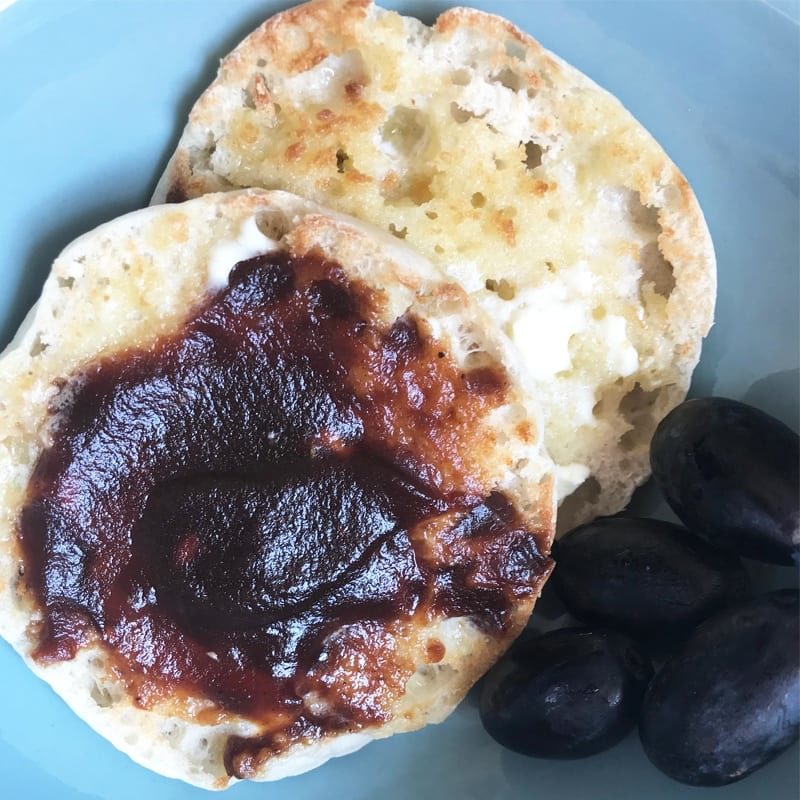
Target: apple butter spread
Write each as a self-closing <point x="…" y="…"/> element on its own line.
<point x="255" y="509"/>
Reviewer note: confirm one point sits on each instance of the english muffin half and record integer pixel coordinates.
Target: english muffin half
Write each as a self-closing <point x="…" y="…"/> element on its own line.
<point x="512" y="171"/>
<point x="271" y="486"/>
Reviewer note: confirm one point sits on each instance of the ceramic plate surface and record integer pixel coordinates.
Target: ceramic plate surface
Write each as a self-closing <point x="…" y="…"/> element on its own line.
<point x="93" y="94"/>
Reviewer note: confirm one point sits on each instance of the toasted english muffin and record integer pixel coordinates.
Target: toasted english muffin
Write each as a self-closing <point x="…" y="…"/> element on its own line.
<point x="271" y="487"/>
<point x="516" y="174"/>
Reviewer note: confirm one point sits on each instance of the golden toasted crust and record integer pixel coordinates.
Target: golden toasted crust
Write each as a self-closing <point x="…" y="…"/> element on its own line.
<point x="137" y="278"/>
<point x="515" y="173"/>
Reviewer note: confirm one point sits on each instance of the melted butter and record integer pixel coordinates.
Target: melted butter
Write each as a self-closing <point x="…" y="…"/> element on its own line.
<point x="227" y="253"/>
<point x="622" y="358"/>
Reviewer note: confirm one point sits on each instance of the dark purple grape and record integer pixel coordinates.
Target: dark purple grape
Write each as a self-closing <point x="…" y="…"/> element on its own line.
<point x="567" y="694"/>
<point x="644" y="576"/>
<point x="732" y="475"/>
<point x="730" y="701"/>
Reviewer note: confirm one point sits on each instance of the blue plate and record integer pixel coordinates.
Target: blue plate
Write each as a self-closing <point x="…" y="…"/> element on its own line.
<point x="93" y="95"/>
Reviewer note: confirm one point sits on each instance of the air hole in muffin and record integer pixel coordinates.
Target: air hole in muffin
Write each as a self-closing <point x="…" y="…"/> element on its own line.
<point x="478" y="200"/>
<point x="656" y="270"/>
<point x="274" y="224"/>
<point x="38" y="347"/>
<point x="415" y="187"/>
<point x="203" y="743"/>
<point x="405" y="130"/>
<point x="477" y="359"/>
<point x="607" y="404"/>
<point x="170" y="728"/>
<point x="461" y="77"/>
<point x="500" y="164"/>
<point x="515" y="49"/>
<point x="341" y="160"/>
<point x="459" y="114"/>
<point x="637" y="409"/>
<point x="101" y="696"/>
<point x="419" y="189"/>
<point x="634" y="439"/>
<point x="644" y="216"/>
<point x="636" y="402"/>
<point x="435" y="651"/>
<point x="208" y="151"/>
<point x="431" y="215"/>
<point x="256" y="95"/>
<point x="508" y="78"/>
<point x="572" y="510"/>
<point x="533" y="155"/>
<point x="400" y="233"/>
<point x="261" y="62"/>
<point x="354" y="90"/>
<point x="517" y="413"/>
<point x="465" y="336"/>
<point x="66" y="283"/>
<point x="504" y="289"/>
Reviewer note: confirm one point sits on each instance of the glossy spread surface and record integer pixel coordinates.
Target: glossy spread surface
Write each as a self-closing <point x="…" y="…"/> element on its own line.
<point x="256" y="510"/>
